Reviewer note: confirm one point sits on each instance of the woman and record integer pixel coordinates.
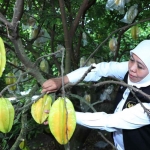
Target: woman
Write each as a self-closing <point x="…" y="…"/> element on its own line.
<point x="130" y="125"/>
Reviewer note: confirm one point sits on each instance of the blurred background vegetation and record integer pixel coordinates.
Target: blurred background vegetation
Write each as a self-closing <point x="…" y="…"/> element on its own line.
<point x="41" y="37"/>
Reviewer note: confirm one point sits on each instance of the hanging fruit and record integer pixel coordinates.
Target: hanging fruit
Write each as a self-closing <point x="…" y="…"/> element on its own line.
<point x="38" y="108"/>
<point x="84" y="39"/>
<point x="8" y="78"/>
<point x="34" y="33"/>
<point x="23" y="145"/>
<point x="7" y="114"/>
<point x="91" y="61"/>
<point x="87" y="97"/>
<point x="60" y="47"/>
<point x="14" y="62"/>
<point x="62" y="120"/>
<point x="116" y="5"/>
<point x="44" y="66"/>
<point x="2" y="57"/>
<point x="117" y="2"/>
<point x="82" y="61"/>
<point x="13" y="88"/>
<point x="113" y="44"/>
<point x="11" y="79"/>
<point x="31" y="21"/>
<point x="130" y="14"/>
<point x="135" y="32"/>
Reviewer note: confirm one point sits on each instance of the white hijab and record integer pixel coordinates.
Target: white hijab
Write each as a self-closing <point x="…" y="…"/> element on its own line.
<point x="142" y="50"/>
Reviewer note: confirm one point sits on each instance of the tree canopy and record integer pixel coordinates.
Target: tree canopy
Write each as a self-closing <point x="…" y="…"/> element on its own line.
<point x="60" y="34"/>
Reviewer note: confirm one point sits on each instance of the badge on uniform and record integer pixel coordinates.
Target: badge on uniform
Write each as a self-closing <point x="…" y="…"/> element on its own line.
<point x="130" y="104"/>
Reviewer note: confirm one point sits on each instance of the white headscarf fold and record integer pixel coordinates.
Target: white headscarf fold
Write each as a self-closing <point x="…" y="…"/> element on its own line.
<point x="142" y="50"/>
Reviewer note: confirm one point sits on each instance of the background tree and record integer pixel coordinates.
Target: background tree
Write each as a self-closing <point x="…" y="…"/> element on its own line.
<point x="53" y="31"/>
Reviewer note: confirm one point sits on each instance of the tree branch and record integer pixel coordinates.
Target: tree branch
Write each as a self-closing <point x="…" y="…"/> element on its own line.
<point x="131" y="89"/>
<point x="78" y="17"/>
<point x="4" y="20"/>
<point x="18" y="11"/>
<point x="22" y="134"/>
<point x="119" y="29"/>
<point x="30" y="67"/>
<point x="66" y="37"/>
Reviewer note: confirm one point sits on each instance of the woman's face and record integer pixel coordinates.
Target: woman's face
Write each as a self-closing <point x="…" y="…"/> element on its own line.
<point x="137" y="69"/>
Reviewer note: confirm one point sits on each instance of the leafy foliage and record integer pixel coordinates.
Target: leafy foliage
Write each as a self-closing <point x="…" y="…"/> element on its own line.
<point x="33" y="30"/>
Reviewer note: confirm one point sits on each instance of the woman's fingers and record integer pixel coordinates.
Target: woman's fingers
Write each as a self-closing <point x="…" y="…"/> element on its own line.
<point x="48" y="91"/>
<point x="46" y="123"/>
<point x="50" y="86"/>
<point x="46" y="111"/>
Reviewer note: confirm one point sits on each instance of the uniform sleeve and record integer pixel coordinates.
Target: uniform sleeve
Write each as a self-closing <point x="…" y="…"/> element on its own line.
<point x="130" y="118"/>
<point x="104" y="69"/>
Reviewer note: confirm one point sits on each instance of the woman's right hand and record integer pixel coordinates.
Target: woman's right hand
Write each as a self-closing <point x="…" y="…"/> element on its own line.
<point x="53" y="85"/>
